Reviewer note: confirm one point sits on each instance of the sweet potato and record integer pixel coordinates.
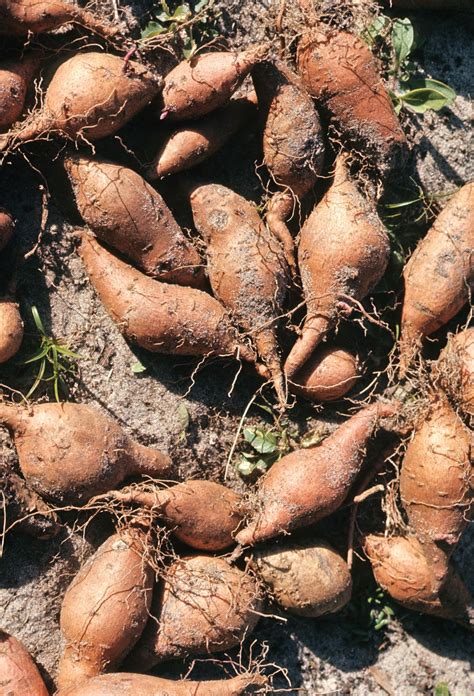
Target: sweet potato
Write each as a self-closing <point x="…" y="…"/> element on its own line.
<point x="70" y="452"/>
<point x="206" y="82"/>
<point x="11" y="329"/>
<point x="105" y="608"/>
<point x="308" y="579"/>
<point x="438" y="275"/>
<point x="340" y="72"/>
<point x="128" y="684"/>
<point x="412" y="573"/>
<point x="7" y="227"/>
<point x="157" y="316"/>
<point x="309" y="484"/>
<point x="18" y="673"/>
<point x="204" y="606"/>
<point x="293" y="143"/>
<point x="202" y="514"/>
<point x="329" y="374"/>
<point x="454" y="370"/>
<point x="91" y="95"/>
<point x="436" y="477"/>
<point x="20" y="17"/>
<point x="23" y="507"/>
<point x="15" y="78"/>
<point x="128" y="214"/>
<point x="246" y="269"/>
<point x="195" y="142"/>
<point x="343" y="253"/>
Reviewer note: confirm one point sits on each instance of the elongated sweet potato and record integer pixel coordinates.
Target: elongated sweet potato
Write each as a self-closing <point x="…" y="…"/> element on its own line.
<point x="340" y="72"/>
<point x="329" y="374"/>
<point x="206" y="82"/>
<point x="343" y="253"/>
<point x="454" y="370"/>
<point x="246" y="269"/>
<point x="194" y="142"/>
<point x="436" y="478"/>
<point x="70" y="452"/>
<point x="204" y="606"/>
<point x="19" y="17"/>
<point x="129" y="684"/>
<point x="202" y="514"/>
<point x="15" y="78"/>
<point x="157" y="316"/>
<point x="18" y="673"/>
<point x="128" y="214"/>
<point x="7" y="227"/>
<point x="308" y="579"/>
<point x="309" y="484"/>
<point x="438" y="274"/>
<point x="105" y="608"/>
<point x="11" y="329"/>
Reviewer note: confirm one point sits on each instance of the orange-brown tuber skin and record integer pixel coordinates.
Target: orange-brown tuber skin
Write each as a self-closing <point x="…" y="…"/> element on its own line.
<point x="195" y="142"/>
<point x="19" y="17"/>
<point x="340" y="72"/>
<point x="438" y="274"/>
<point x="454" y="370"/>
<point x="128" y="684"/>
<point x="437" y="478"/>
<point x="308" y="579"/>
<point x="343" y="253"/>
<point x="329" y="374"/>
<point x="417" y="576"/>
<point x="246" y="268"/>
<point x="11" y="329"/>
<point x="309" y="484"/>
<point x="92" y="95"/>
<point x="125" y="212"/>
<point x="70" y="452"/>
<point x="206" y="82"/>
<point x="157" y="316"/>
<point x="7" y="228"/>
<point x="105" y="608"/>
<point x="204" y="606"/>
<point x="202" y="514"/>
<point x="15" y="78"/>
<point x="18" y="673"/>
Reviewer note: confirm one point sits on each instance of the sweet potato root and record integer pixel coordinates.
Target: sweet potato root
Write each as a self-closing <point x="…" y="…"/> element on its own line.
<point x="308" y="579"/>
<point x="436" y="477"/>
<point x="11" y="329"/>
<point x="128" y="214"/>
<point x="309" y="484"/>
<point x="246" y="269"/>
<point x="70" y="452"/>
<point x="18" y="673"/>
<point x="343" y="253"/>
<point x="329" y="374"/>
<point x="454" y="370"/>
<point x="19" y="17"/>
<point x="105" y="608"/>
<point x="7" y="227"/>
<point x="204" y="606"/>
<point x="15" y="78"/>
<point x="438" y="274"/>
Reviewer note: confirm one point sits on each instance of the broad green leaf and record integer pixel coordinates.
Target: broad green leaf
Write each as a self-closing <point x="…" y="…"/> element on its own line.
<point x="181" y="13"/>
<point x="245" y="467"/>
<point x="263" y="441"/>
<point x="421" y="100"/>
<point x="137" y="368"/>
<point x="402" y="39"/>
<point x="428" y="83"/>
<point x="374" y="29"/>
<point x="153" y="29"/>
<point x="442" y="689"/>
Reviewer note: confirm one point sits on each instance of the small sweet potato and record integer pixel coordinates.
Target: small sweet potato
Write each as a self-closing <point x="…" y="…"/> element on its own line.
<point x="18" y="673"/>
<point x="454" y="370"/>
<point x="204" y="605"/>
<point x="128" y="214"/>
<point x="11" y="329"/>
<point x="15" y="78"/>
<point x="105" y="608"/>
<point x="20" y="17"/>
<point x="329" y="374"/>
<point x="7" y="227"/>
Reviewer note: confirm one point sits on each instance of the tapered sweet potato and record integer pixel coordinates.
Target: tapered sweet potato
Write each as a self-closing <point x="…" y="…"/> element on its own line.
<point x="105" y="608"/>
<point x="128" y="684"/>
<point x="206" y="82"/>
<point x="454" y="370"/>
<point x="157" y="316"/>
<point x="329" y="374"/>
<point x="308" y="579"/>
<point x="202" y="514"/>
<point x="416" y="575"/>
<point x="436" y="478"/>
<point x="309" y="484"/>
<point x="204" y="606"/>
<point x="438" y="274"/>
<point x="18" y="673"/>
<point x="340" y="72"/>
<point x="19" y="17"/>
<point x="128" y="214"/>
<point x="343" y="253"/>
<point x="7" y="227"/>
<point x="246" y="268"/>
<point x="70" y="452"/>
<point x="11" y="329"/>
<point x="15" y="78"/>
<point x="195" y="142"/>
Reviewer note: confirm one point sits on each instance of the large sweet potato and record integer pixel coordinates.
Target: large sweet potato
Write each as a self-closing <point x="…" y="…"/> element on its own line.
<point x="20" y="17"/>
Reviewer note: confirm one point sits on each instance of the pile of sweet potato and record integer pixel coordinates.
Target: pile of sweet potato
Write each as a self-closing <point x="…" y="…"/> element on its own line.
<point x="232" y="288"/>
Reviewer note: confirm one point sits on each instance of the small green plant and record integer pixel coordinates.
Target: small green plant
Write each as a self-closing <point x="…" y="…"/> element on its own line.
<point x="441" y="689"/>
<point x="55" y="362"/>
<point x="380" y="611"/>
<point x="370" y="610"/>
<point x="266" y="445"/>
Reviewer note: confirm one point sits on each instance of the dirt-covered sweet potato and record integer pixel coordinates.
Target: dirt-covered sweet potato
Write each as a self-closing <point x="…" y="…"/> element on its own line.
<point x="15" y="78"/>
<point x="454" y="370"/>
<point x="7" y="227"/>
<point x="11" y="329"/>
<point x="70" y="452"/>
<point x="105" y="608"/>
<point x="329" y="374"/>
<point x="19" y="675"/>
<point x="124" y="211"/>
<point x="204" y="605"/>
<point x="20" y="17"/>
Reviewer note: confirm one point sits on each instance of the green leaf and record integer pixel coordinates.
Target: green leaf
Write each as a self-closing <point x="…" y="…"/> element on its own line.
<point x="402" y="39"/>
<point x="181" y="14"/>
<point x="428" y="83"/>
<point x="137" y="368"/>
<point x="183" y="416"/>
<point x="442" y="689"/>
<point x="421" y="100"/>
<point x="375" y="29"/>
<point x="200" y="5"/>
<point x="37" y="320"/>
<point x="262" y="441"/>
<point x="245" y="467"/>
<point x="153" y="29"/>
